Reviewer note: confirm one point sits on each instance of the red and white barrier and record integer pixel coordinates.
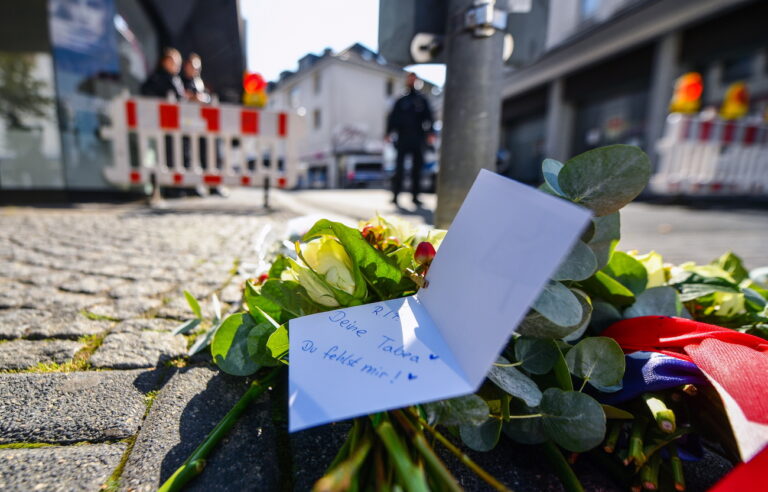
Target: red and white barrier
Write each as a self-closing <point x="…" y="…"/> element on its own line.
<point x="711" y="157"/>
<point x="189" y="144"/>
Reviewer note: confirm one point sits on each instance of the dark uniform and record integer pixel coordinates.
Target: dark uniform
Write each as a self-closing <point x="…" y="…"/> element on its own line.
<point x="160" y="83"/>
<point x="411" y="119"/>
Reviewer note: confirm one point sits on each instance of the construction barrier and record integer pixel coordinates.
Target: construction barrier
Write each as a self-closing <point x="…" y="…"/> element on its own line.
<point x="185" y="144"/>
<point x="714" y="157"/>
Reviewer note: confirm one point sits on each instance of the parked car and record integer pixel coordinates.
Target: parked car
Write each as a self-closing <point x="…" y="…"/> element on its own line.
<point x="357" y="170"/>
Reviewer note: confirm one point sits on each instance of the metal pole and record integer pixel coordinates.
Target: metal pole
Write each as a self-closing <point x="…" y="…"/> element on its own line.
<point x="472" y="108"/>
<point x="266" y="192"/>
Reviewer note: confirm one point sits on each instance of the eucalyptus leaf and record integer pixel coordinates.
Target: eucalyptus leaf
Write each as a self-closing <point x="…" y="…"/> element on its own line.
<point x="537" y="355"/>
<point x="580" y="264"/>
<point x="573" y="420"/>
<point x="230" y="345"/>
<point x="524" y="430"/>
<point x="606" y="235"/>
<point x="604" y="315"/>
<point x="469" y="409"/>
<point x="597" y="360"/>
<point x="537" y="326"/>
<point x="559" y="305"/>
<point x="607" y="178"/>
<point x="658" y="301"/>
<point x="548" y="189"/>
<point x="586" y="307"/>
<point x="257" y="344"/>
<point x="514" y="382"/>
<point x="550" y="168"/>
<point x="561" y="372"/>
<point x="193" y="304"/>
<point x="481" y="437"/>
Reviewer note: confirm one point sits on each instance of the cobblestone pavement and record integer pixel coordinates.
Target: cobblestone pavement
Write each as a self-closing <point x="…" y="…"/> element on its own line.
<point x="96" y="392"/>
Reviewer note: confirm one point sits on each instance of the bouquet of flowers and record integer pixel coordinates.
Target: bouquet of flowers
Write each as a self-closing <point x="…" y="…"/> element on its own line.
<point x="563" y="381"/>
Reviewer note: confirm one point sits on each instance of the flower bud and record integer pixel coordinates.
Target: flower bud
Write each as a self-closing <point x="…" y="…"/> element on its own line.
<point x="425" y="252"/>
<point x="262" y="278"/>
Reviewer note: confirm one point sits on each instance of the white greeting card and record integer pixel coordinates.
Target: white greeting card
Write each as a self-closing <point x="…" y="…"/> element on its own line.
<point x="506" y="241"/>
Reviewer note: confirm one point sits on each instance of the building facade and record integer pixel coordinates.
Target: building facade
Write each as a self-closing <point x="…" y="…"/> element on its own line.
<point x="598" y="72"/>
<point x="345" y="98"/>
<point x="62" y="61"/>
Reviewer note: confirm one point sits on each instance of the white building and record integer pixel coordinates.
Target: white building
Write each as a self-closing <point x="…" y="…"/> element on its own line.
<point x="345" y="98"/>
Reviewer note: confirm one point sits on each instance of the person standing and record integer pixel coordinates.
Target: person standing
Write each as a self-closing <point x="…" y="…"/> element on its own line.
<point x="411" y="120"/>
<point x="193" y="84"/>
<point x="165" y="79"/>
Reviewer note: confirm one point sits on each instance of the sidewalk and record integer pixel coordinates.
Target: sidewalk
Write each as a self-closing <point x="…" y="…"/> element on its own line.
<point x="96" y="393"/>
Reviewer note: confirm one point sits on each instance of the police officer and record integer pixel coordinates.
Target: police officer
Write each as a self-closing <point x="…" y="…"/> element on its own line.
<point x="411" y="120"/>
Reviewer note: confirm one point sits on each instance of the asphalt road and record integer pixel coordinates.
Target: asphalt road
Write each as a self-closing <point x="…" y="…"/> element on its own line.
<point x="679" y="233"/>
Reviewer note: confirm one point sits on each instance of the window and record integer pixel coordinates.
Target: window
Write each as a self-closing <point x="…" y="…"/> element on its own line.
<point x="316" y="82"/>
<point x="294" y="96"/>
<point x="317" y="119"/>
<point x="737" y="68"/>
<point x="390" y="87"/>
<point x="589" y="8"/>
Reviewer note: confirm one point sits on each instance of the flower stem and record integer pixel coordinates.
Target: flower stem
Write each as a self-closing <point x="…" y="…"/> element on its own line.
<point x="562" y="468"/>
<point x="466" y="460"/>
<point x="195" y="464"/>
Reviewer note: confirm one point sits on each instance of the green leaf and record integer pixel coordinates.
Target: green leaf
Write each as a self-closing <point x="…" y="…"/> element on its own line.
<point x="254" y="301"/>
<point x="278" y="344"/>
<point x="580" y="264"/>
<point x="290" y="297"/>
<point x="753" y="299"/>
<point x="203" y="340"/>
<point x="597" y="360"/>
<point x="605" y="287"/>
<point x="559" y="305"/>
<point x="514" y="382"/>
<point x="586" y="307"/>
<point x="469" y="409"/>
<point x="537" y="326"/>
<point x="186" y="327"/>
<point x="548" y="189"/>
<point x="561" y="372"/>
<point x="524" y="431"/>
<point x="230" y="345"/>
<point x="381" y="272"/>
<point x="658" y="301"/>
<point x="481" y="437"/>
<point x="628" y="271"/>
<point x="605" y="237"/>
<point x="193" y="304"/>
<point x="607" y="178"/>
<point x="280" y="264"/>
<point x="257" y="344"/>
<point x="694" y="286"/>
<point x="537" y="355"/>
<point x="612" y="412"/>
<point x="733" y="265"/>
<point x="573" y="420"/>
<point x="550" y="168"/>
<point x="603" y="315"/>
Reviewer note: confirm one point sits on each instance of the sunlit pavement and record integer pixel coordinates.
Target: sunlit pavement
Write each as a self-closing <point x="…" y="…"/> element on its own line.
<point x="679" y="233"/>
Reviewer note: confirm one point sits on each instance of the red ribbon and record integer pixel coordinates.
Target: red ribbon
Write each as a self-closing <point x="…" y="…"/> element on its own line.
<point x="735" y="360"/>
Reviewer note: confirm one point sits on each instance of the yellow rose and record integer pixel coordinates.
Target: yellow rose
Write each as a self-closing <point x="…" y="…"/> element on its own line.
<point x="327" y="257"/>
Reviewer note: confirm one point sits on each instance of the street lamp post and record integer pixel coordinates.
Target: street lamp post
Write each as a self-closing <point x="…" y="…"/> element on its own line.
<point x="472" y="104"/>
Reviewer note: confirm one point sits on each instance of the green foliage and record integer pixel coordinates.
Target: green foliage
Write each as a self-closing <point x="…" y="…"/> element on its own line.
<point x="536" y="355"/>
<point x="193" y="304"/>
<point x="469" y="409"/>
<point x="658" y="301"/>
<point x="230" y="345"/>
<point x="627" y="271"/>
<point x="580" y="264"/>
<point x="604" y="238"/>
<point x="514" y="382"/>
<point x="278" y="344"/>
<point x="481" y="437"/>
<point x="550" y="169"/>
<point x="607" y="178"/>
<point x="573" y="420"/>
<point x="598" y="361"/>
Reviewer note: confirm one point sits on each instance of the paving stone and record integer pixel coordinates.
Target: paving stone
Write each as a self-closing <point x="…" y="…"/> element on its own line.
<point x="188" y="407"/>
<point x="144" y="288"/>
<point x="88" y="284"/>
<point x="176" y="308"/>
<point x="59" y="468"/>
<point x="49" y="278"/>
<point x="71" y="407"/>
<point x="141" y="324"/>
<point x="133" y="350"/>
<point x="66" y="325"/>
<point x="52" y="299"/>
<point x="232" y="293"/>
<point x="125" y="308"/>
<point x="21" y="354"/>
<point x="12" y="294"/>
